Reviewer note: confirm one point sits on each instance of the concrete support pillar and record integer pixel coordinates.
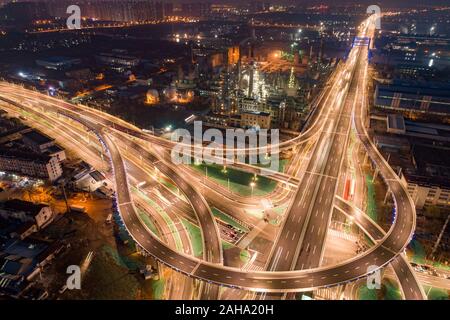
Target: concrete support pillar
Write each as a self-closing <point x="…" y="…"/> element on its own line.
<point x="366" y="158"/>
<point x="386" y="196"/>
<point x="375" y="174"/>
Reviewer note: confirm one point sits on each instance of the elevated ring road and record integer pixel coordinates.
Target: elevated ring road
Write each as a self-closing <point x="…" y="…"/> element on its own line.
<point x="410" y="286"/>
<point x="256" y="281"/>
<point x="392" y="244"/>
<point x="121" y="125"/>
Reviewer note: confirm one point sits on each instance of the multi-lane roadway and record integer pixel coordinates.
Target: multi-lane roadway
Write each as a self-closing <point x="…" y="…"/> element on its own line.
<point x="318" y="183"/>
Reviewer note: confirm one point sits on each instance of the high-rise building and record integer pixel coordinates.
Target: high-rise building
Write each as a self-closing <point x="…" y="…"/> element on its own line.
<point x="15" y="13"/>
<point x="116" y="10"/>
<point x="196" y="9"/>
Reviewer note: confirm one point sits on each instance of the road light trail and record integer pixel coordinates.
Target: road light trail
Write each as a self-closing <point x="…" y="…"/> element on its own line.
<point x="257" y="281"/>
<point x="317" y="178"/>
<point x="290" y="281"/>
<point x="405" y="275"/>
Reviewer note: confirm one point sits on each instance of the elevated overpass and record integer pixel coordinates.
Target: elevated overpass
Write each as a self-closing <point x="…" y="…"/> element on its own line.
<point x="382" y="253"/>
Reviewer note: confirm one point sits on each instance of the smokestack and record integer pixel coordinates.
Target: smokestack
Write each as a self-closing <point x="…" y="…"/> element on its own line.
<point x="250" y="82"/>
<point x="252" y="30"/>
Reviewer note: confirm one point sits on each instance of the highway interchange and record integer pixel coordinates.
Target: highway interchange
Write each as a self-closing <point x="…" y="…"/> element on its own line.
<point x="295" y="261"/>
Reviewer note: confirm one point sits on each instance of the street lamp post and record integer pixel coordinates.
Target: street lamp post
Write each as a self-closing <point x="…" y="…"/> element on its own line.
<point x="252" y="184"/>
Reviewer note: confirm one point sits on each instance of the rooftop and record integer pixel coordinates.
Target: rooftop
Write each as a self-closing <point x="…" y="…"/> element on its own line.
<point x="37" y="137"/>
<point x="28" y="248"/>
<point x="17" y="205"/>
<point x="57" y="59"/>
<point x="432" y="166"/>
<point x="414" y="95"/>
<point x="418" y="88"/>
<point x="257" y="113"/>
<point x="97" y="176"/>
<point x="54" y="149"/>
<point x="396" y="121"/>
<point x="26" y="156"/>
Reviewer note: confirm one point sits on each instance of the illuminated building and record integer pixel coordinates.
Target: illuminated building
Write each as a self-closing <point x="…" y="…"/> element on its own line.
<point x="117" y="59"/>
<point x="29" y="164"/>
<point x="178" y="96"/>
<point x="196" y="9"/>
<point x="57" y="63"/>
<point x="233" y="55"/>
<point x="256" y="119"/>
<point x="185" y="96"/>
<point x="116" y="10"/>
<point x="152" y="97"/>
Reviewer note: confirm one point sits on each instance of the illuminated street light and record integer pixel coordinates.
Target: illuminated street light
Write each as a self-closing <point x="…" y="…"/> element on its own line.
<point x="252" y="184"/>
<point x="351" y="221"/>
